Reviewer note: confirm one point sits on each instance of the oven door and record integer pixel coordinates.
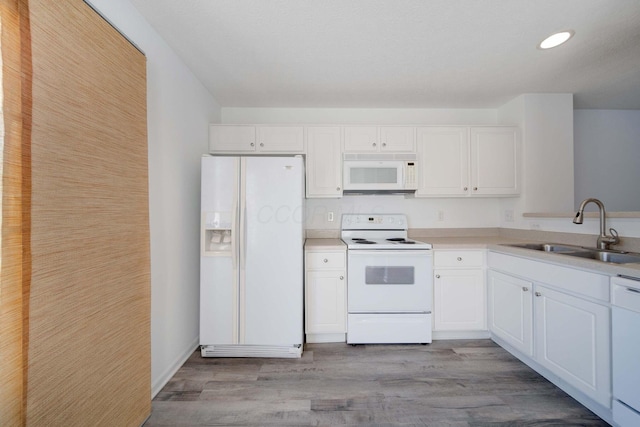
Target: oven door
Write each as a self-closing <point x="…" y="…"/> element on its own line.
<point x="388" y="281"/>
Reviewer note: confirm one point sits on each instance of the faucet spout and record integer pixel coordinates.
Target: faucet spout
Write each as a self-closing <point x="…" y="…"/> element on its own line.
<point x="604" y="240"/>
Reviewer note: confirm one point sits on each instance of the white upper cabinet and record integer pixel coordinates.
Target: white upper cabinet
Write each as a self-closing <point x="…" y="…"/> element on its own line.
<point x="257" y="139"/>
<point x="280" y="139"/>
<point x="360" y="139"/>
<point x="324" y="162"/>
<point x="494" y="160"/>
<point x="397" y="139"/>
<point x="452" y="161"/>
<point x="234" y="139"/>
<point x="443" y="161"/>
<point x="467" y="161"/>
<point x="374" y="139"/>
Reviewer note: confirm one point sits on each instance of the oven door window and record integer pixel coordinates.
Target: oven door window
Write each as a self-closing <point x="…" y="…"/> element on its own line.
<point x="404" y="275"/>
<point x="390" y="281"/>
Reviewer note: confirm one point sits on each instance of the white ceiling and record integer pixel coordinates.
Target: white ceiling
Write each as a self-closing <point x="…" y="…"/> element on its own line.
<point x="404" y="53"/>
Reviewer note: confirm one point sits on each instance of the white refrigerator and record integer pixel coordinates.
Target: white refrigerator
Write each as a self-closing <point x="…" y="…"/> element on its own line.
<point x="251" y="265"/>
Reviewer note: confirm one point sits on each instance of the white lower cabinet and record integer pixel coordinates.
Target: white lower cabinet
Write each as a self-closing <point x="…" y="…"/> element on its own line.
<point x="573" y="341"/>
<point x="459" y="291"/>
<point x="559" y="319"/>
<point x="511" y="310"/>
<point x="325" y="296"/>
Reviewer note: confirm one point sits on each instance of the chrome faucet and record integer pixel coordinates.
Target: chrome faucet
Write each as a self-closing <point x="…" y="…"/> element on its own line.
<point x="604" y="240"/>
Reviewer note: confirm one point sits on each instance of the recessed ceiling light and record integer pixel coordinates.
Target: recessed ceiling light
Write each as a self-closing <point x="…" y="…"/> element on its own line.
<point x="556" y="39"/>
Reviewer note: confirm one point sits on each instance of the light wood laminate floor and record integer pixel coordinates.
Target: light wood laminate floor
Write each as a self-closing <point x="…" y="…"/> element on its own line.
<point x="446" y="383"/>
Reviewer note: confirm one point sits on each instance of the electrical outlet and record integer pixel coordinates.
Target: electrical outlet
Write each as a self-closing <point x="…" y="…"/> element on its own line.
<point x="440" y="215"/>
<point x="535" y="226"/>
<point x="508" y="215"/>
<point x="330" y="216"/>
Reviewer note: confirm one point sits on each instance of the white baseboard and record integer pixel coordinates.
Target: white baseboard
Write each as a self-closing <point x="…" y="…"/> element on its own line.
<point x="326" y="338"/>
<point x="460" y="335"/>
<point x="158" y="383"/>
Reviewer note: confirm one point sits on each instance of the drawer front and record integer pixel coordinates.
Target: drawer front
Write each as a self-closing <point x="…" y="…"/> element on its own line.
<point x="325" y="259"/>
<point x="585" y="283"/>
<point x="625" y="293"/>
<point x="458" y="258"/>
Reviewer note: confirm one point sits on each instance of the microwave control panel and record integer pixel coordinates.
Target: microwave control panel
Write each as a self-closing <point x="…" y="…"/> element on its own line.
<point x="410" y="175"/>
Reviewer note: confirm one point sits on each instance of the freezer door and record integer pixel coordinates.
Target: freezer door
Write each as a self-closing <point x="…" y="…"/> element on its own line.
<point x="219" y="260"/>
<point x="271" y="253"/>
<point x="219" y="184"/>
<point x="218" y="302"/>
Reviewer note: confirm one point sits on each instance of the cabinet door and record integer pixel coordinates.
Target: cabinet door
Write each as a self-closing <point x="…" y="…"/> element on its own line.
<point x="459" y="300"/>
<point x="443" y="161"/>
<point x="511" y="310"/>
<point x="397" y="139"/>
<point x="494" y="161"/>
<point x="231" y="139"/>
<point x="325" y="301"/>
<point x="324" y="162"/>
<point x="360" y="139"/>
<point x="573" y="340"/>
<point x="280" y="139"/>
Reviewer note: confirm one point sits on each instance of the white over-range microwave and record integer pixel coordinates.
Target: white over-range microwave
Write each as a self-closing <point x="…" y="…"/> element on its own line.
<point x="380" y="173"/>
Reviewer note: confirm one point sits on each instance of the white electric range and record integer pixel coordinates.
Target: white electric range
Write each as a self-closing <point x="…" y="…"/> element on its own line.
<point x="390" y="281"/>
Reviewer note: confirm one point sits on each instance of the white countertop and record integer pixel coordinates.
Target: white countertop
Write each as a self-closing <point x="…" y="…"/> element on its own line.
<point x="496" y="243"/>
<point x="570" y="261"/>
<point x="324" y="244"/>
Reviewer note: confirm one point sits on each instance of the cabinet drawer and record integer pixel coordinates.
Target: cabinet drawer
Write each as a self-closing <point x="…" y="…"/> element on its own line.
<point x="625" y="293"/>
<point x="458" y="258"/>
<point x="325" y="259"/>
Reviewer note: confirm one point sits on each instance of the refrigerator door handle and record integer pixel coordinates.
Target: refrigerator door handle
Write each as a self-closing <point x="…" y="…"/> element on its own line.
<point x="234" y="235"/>
<point x="243" y="258"/>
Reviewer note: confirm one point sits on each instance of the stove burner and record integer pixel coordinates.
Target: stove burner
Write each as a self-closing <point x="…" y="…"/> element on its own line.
<point x="401" y="240"/>
<point x="358" y="238"/>
<point x="363" y="241"/>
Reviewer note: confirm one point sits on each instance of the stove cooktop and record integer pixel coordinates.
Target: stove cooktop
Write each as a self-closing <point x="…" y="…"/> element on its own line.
<point x="378" y="231"/>
<point x="382" y="243"/>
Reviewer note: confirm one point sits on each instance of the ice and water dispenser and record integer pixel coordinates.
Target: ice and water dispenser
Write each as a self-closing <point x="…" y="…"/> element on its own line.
<point x="217" y="228"/>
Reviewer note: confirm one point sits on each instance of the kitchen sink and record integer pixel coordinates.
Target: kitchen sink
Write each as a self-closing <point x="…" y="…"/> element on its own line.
<point x="615" y="257"/>
<point x="547" y="247"/>
<point x="607" y="256"/>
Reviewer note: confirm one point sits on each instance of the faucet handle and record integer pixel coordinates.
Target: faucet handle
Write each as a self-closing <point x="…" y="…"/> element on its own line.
<point x="615" y="235"/>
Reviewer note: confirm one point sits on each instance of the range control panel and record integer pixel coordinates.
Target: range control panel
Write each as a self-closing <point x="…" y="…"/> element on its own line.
<point x="374" y="222"/>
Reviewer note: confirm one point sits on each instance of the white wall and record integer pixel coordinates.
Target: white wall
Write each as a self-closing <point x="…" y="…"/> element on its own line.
<point x="179" y="110"/>
<point x="421" y="213"/>
<point x="546" y="123"/>
<point x="551" y="155"/>
<point x="607" y="158"/>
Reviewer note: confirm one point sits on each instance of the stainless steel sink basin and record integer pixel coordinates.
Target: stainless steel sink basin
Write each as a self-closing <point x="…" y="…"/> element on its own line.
<point x="605" y="256"/>
<point x="547" y="247"/>
<point x="615" y="257"/>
